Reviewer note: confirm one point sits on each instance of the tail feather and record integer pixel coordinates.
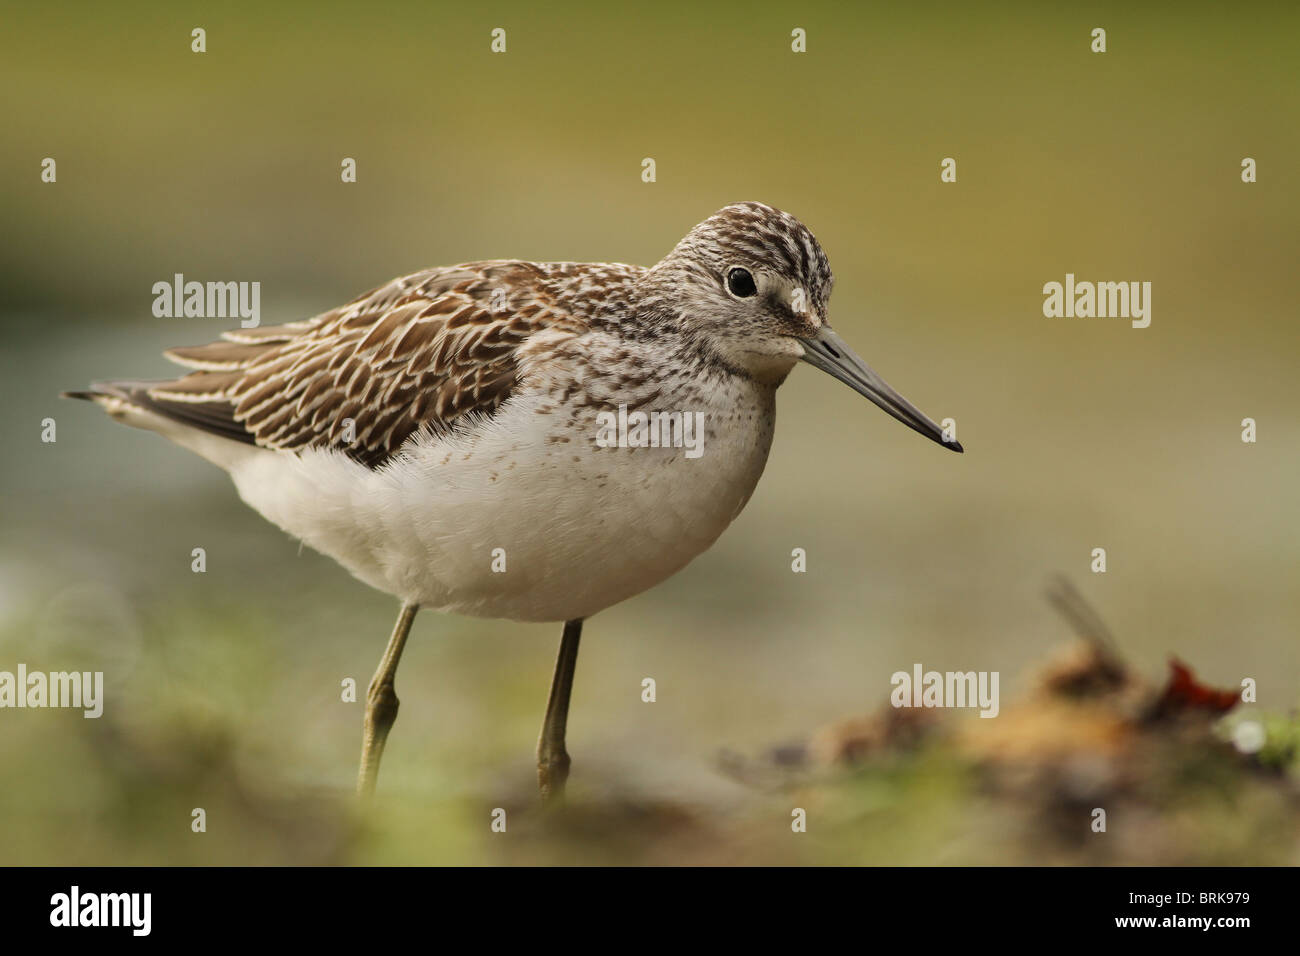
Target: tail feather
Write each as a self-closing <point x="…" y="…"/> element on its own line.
<point x="119" y="398"/>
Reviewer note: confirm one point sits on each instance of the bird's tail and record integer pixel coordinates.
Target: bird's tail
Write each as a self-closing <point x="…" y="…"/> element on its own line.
<point x="207" y="428"/>
<point x="117" y="398"/>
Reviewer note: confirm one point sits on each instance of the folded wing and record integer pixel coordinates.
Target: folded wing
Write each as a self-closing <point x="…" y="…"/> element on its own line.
<point x="421" y="352"/>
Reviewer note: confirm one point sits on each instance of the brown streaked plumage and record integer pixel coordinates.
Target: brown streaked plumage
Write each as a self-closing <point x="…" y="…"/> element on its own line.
<point x="420" y="352"/>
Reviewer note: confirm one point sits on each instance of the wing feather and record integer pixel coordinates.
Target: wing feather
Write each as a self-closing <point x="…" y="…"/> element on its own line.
<point x="421" y="352"/>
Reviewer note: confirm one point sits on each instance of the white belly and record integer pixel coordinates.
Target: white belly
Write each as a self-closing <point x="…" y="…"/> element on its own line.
<point x="513" y="523"/>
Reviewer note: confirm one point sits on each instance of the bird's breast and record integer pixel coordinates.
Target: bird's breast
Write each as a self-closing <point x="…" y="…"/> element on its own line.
<point x="552" y="510"/>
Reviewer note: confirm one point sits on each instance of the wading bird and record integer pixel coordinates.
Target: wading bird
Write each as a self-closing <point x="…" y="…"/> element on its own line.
<point x="451" y="416"/>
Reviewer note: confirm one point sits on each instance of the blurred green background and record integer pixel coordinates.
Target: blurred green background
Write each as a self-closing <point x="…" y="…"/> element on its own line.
<point x="223" y="687"/>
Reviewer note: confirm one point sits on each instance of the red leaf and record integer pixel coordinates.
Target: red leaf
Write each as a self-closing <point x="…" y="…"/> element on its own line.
<point x="1185" y="692"/>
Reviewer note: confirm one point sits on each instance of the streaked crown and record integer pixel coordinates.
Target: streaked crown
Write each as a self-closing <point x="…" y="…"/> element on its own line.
<point x="750" y="280"/>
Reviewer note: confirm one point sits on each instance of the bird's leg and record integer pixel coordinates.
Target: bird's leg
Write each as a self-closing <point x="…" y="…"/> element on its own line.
<point x="381" y="703"/>
<point x="552" y="760"/>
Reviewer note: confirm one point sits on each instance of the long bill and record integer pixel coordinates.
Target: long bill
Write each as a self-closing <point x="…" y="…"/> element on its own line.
<point x="828" y="352"/>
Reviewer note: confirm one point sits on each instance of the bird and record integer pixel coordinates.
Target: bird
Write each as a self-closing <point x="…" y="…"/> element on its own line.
<point x="448" y="437"/>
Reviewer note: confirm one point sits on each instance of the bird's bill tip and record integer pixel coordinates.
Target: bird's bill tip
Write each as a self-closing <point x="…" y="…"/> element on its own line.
<point x="830" y="353"/>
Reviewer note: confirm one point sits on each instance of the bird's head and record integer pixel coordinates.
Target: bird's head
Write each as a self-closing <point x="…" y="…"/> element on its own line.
<point x="753" y="283"/>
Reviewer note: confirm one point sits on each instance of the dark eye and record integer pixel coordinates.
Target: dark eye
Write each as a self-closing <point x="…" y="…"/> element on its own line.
<point x="740" y="283"/>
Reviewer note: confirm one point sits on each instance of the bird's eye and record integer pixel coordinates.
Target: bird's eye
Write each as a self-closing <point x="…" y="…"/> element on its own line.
<point x="740" y="283"/>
